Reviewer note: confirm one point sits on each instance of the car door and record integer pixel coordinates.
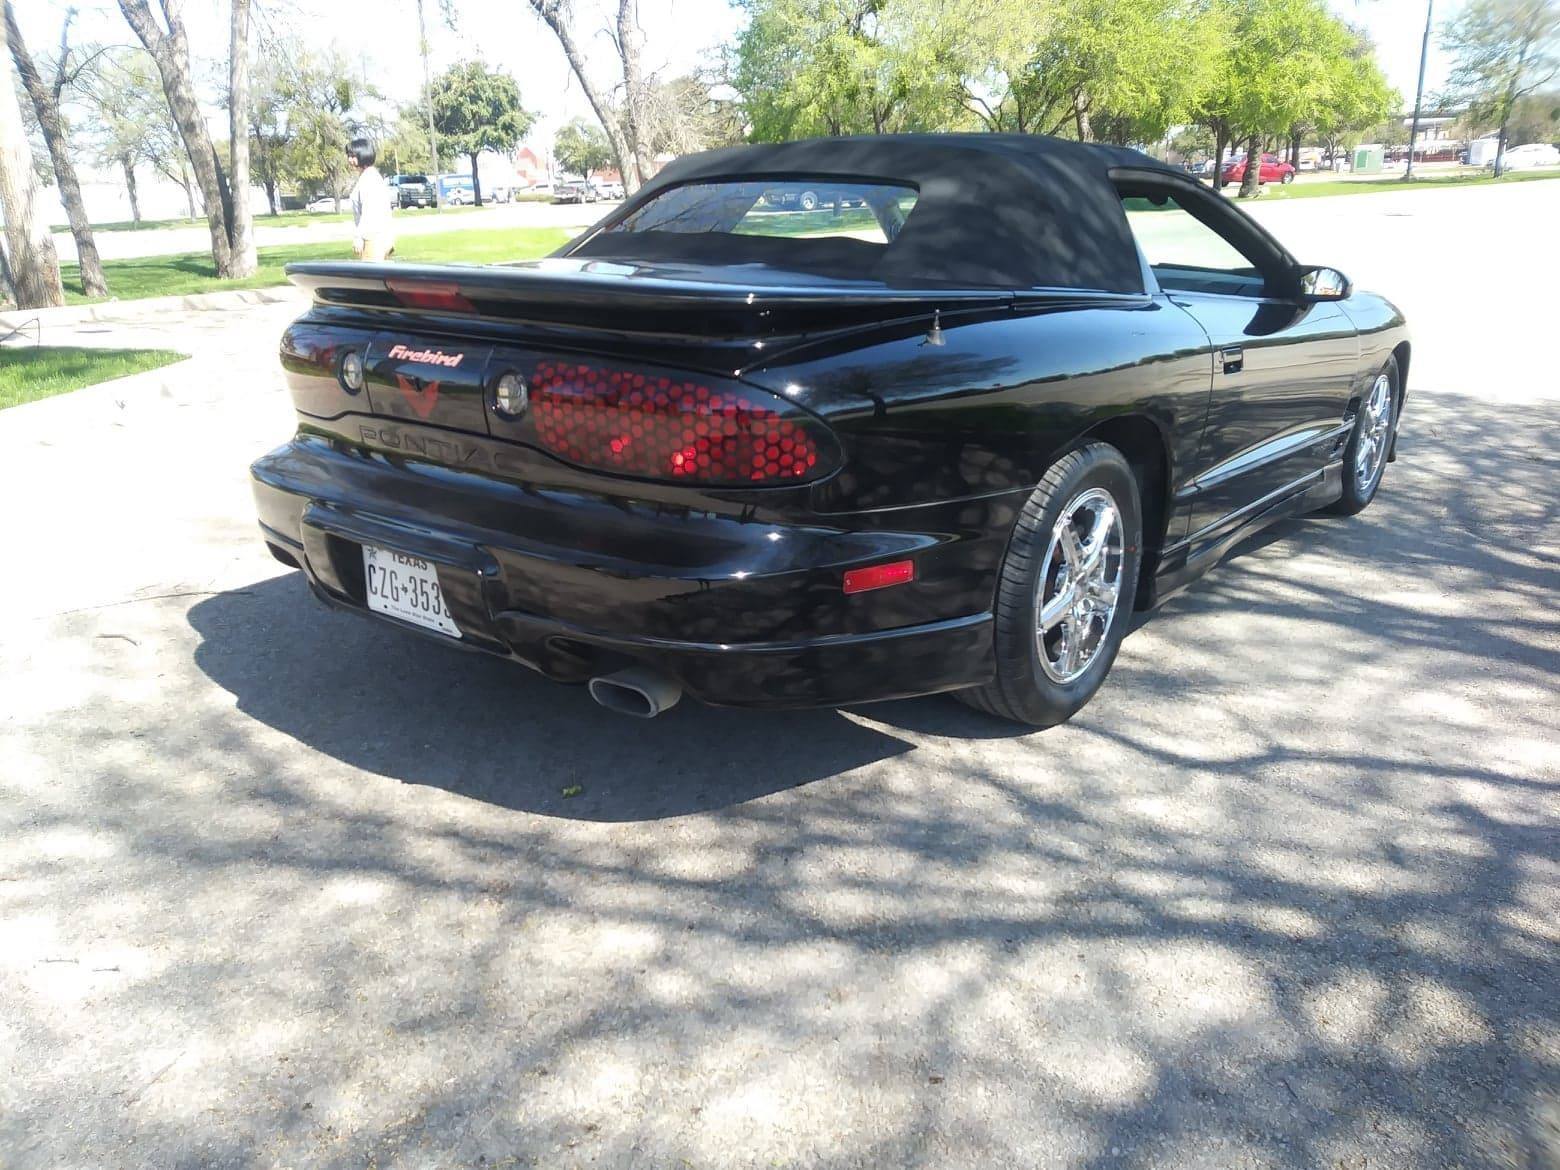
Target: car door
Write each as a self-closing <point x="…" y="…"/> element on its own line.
<point x="1281" y="369"/>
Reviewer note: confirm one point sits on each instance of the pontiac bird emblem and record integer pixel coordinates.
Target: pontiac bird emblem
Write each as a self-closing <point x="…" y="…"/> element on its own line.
<point x="422" y="401"/>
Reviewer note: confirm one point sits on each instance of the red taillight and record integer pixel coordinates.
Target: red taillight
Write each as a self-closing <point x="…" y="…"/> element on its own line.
<point x="428" y="294"/>
<point x="662" y="427"/>
<point x="879" y="576"/>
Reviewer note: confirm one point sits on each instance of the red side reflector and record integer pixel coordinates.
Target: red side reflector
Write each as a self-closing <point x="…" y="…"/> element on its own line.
<point x="879" y="576"/>
<point x="428" y="294"/>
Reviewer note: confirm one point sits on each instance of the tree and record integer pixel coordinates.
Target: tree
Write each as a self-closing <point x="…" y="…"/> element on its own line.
<point x="1357" y="96"/>
<point x="45" y="99"/>
<point x="807" y="67"/>
<point x="241" y="224"/>
<point x="1503" y="50"/>
<point x="33" y="267"/>
<point x="582" y="148"/>
<point x="1535" y="118"/>
<point x="616" y="123"/>
<point x="1274" y="75"/>
<point x="405" y="145"/>
<point x="130" y="124"/>
<point x="268" y="135"/>
<point x="477" y="109"/>
<point x="169" y="48"/>
<point x="322" y="100"/>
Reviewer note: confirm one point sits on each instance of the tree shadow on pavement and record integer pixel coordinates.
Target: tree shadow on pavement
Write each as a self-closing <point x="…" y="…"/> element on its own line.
<point x="1283" y="896"/>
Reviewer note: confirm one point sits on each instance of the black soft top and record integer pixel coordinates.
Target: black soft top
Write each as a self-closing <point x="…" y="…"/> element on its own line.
<point x="992" y="210"/>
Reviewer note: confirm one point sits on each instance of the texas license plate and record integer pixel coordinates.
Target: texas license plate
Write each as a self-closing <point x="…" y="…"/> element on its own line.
<point x="406" y="587"/>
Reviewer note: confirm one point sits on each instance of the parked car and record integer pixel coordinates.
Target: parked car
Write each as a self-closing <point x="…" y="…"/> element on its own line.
<point x="1272" y="170"/>
<point x="456" y="190"/>
<point x="327" y="203"/>
<point x="1533" y="154"/>
<point x="412" y="190"/>
<point x="966" y="449"/>
<point x="573" y="191"/>
<point x="607" y="190"/>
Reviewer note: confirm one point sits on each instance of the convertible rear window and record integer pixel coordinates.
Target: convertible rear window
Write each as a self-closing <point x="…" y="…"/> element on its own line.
<point x="804" y="209"/>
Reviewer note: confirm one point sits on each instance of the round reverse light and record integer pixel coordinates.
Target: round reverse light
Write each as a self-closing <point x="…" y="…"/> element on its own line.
<point x="352" y="371"/>
<point x="511" y="395"/>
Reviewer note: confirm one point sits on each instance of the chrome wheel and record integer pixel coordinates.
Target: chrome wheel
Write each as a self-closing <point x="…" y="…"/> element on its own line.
<point x="1370" y="454"/>
<point x="1080" y="585"/>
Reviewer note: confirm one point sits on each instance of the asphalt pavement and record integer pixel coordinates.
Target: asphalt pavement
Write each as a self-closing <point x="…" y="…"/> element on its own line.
<point x="281" y="887"/>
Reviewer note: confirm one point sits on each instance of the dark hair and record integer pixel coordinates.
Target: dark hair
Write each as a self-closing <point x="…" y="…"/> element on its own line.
<point x="361" y="151"/>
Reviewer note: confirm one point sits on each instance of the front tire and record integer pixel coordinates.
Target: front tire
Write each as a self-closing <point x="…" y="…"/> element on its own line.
<point x="1370" y="442"/>
<point x="1065" y="593"/>
<point x="1289" y="177"/>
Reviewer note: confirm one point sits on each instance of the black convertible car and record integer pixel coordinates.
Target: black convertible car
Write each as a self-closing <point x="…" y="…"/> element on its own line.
<point x="944" y="434"/>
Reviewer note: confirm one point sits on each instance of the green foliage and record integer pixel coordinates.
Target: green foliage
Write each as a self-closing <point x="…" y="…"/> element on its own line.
<point x="1354" y="94"/>
<point x="1123" y="70"/>
<point x="322" y="104"/>
<point x="1284" y="59"/>
<point x="1120" y="70"/>
<point x="475" y="109"/>
<point x="404" y="147"/>
<point x="809" y="67"/>
<point x="581" y="147"/>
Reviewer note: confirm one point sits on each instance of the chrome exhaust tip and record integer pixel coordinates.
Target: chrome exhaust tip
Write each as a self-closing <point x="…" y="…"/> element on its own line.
<point x="635" y="691"/>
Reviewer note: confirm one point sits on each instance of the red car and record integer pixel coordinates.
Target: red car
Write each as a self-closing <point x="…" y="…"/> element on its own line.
<point x="1274" y="170"/>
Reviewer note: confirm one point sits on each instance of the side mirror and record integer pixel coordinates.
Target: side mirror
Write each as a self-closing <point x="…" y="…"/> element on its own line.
<point x="1323" y="284"/>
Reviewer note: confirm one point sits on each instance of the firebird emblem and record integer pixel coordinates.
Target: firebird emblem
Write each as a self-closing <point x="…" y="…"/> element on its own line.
<point x="422" y="401"/>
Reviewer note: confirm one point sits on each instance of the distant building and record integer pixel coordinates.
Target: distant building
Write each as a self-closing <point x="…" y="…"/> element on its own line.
<point x="530" y="168"/>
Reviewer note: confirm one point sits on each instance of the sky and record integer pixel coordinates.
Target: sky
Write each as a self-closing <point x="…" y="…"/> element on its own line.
<point x="680" y="35"/>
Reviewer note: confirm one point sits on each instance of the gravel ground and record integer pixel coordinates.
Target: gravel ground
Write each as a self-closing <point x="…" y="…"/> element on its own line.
<point x="280" y="887"/>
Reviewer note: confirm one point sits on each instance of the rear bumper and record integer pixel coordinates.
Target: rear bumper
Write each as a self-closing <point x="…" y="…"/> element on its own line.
<point x="738" y="612"/>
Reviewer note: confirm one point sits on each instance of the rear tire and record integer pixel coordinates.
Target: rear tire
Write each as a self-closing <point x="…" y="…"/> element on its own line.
<point x="1370" y="443"/>
<point x="1065" y="593"/>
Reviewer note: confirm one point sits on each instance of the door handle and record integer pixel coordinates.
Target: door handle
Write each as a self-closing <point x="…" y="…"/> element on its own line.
<point x="1233" y="358"/>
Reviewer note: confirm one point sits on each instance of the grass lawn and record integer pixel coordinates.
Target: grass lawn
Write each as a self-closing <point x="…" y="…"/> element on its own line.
<point x="299" y="218"/>
<point x="192" y="272"/>
<point x="27" y="375"/>
<point x="1323" y="187"/>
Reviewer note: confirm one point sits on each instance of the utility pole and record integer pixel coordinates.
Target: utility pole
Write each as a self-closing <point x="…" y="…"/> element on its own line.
<point x="433" y="138"/>
<point x="1419" y="92"/>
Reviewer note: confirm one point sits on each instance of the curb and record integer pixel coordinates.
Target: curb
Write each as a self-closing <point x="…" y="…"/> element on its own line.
<point x="151" y="307"/>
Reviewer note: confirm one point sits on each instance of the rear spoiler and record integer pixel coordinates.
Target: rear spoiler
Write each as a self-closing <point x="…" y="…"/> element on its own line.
<point x="625" y="299"/>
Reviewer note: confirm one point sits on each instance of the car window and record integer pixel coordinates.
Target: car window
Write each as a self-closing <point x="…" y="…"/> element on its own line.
<point x="798" y="209"/>
<point x="1186" y="253"/>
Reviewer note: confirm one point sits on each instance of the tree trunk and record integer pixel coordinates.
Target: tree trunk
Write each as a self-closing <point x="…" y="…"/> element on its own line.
<point x="1221" y="142"/>
<point x="1294" y="149"/>
<point x="553" y="13"/>
<point x="135" y="204"/>
<point x="171" y="54"/>
<point x="433" y="136"/>
<point x="476" y="182"/>
<point x="1251" y="182"/>
<point x="270" y="193"/>
<point x="189" y="190"/>
<point x="630" y="42"/>
<point x="242" y="226"/>
<point x="46" y="106"/>
<point x="35" y="267"/>
<point x="1081" y="118"/>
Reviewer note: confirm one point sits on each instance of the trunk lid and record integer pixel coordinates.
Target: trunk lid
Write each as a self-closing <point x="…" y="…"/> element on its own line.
<point x="751" y="307"/>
